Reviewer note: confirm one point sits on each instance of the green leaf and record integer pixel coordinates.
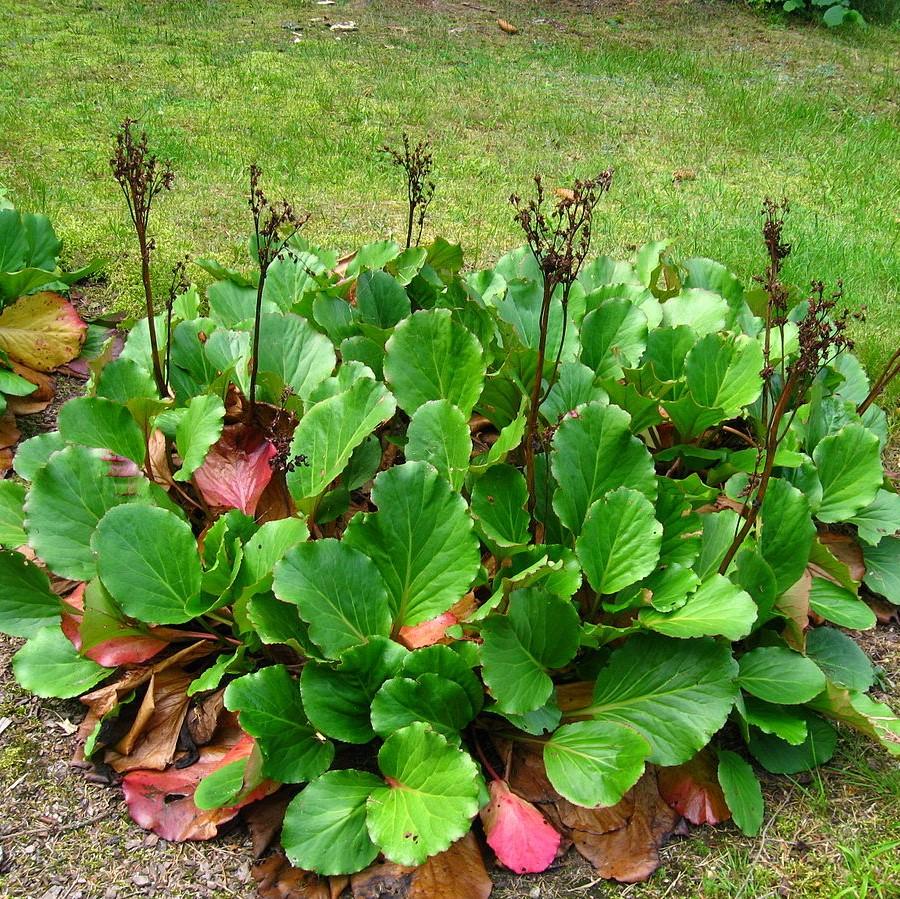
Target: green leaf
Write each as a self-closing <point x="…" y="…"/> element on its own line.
<point x="197" y="431"/>
<point x="101" y="423"/>
<point x="499" y="500"/>
<point x="327" y="435"/>
<point x="438" y="433"/>
<point x="420" y="539"/>
<point x="12" y="514"/>
<point x="667" y="349"/>
<point x="780" y="675"/>
<point x="861" y="712"/>
<point x="431" y="357"/>
<point x="510" y="437"/>
<point x="540" y="632"/>
<point x="613" y="337"/>
<point x="279" y="622"/>
<point x="703" y="310"/>
<point x="719" y="529"/>
<point x="263" y="549"/>
<point x="231" y="303"/>
<point x="839" y="606"/>
<point x="717" y="608"/>
<point x="742" y="791"/>
<point x="787" y="532"/>
<point x="574" y="386"/>
<point x="880" y="519"/>
<point x="429" y="698"/>
<point x="339" y="592"/>
<point x="49" y="665"/>
<point x="786" y="722"/>
<point x="594" y="763"/>
<point x="430" y="797"/>
<point x="849" y="467"/>
<point x="222" y="787"/>
<point x="840" y="658"/>
<point x="594" y="452"/>
<point x="381" y="301"/>
<point x="34" y="453"/>
<point x="373" y="256"/>
<point x="724" y="372"/>
<point x="147" y="559"/>
<point x="290" y="348"/>
<point x="620" y="540"/>
<point x="883" y="568"/>
<point x="67" y="499"/>
<point x="676" y="693"/>
<point x="779" y="757"/>
<point x="337" y="699"/>
<point x="325" y="826"/>
<point x="212" y="676"/>
<point x="27" y="604"/>
<point x="450" y="664"/>
<point x="270" y="708"/>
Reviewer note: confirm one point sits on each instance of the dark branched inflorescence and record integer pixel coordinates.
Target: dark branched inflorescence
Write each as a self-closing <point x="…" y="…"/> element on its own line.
<point x="274" y="224"/>
<point x="417" y="164"/>
<point x="142" y="177"/>
<point x="822" y="335"/>
<point x="560" y="239"/>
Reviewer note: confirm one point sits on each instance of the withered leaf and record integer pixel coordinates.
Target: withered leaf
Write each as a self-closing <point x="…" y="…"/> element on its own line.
<point x="693" y="790"/>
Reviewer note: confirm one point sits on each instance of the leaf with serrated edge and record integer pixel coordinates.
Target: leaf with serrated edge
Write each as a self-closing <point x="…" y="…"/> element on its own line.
<point x="49" y="665"/>
<point x="430" y="797"/>
<point x="101" y="423"/>
<point x="270" y="708"/>
<point x="438" y="433"/>
<point x="27" y="604"/>
<point x="595" y="763"/>
<point x="197" y="431"/>
<point x="849" y="467"/>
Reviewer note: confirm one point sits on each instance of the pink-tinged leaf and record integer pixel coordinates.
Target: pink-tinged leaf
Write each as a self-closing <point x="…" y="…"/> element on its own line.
<point x="73" y="609"/>
<point x="126" y="651"/>
<point x="162" y="801"/>
<point x="428" y="632"/>
<point x="522" y="838"/>
<point x="120" y="467"/>
<point x="42" y="331"/>
<point x="693" y="790"/>
<point x="236" y="470"/>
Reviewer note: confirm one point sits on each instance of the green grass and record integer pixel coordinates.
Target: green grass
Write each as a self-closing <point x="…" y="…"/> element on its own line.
<point x="752" y="104"/>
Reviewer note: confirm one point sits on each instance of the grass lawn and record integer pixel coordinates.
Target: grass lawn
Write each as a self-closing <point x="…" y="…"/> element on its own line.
<point x="744" y="104"/>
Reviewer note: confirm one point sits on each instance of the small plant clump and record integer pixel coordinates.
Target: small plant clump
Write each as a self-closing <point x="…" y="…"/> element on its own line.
<point x="569" y="547"/>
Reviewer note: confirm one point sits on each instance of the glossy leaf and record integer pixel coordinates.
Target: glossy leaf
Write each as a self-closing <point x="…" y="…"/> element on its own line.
<point x="742" y="792"/>
<point x="49" y="665"/>
<point x="780" y="675"/>
<point x="101" y="423"/>
<point x="439" y="434"/>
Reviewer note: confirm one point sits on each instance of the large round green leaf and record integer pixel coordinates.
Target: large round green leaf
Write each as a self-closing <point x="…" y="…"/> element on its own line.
<point x="677" y="693"/>
<point x="429" y="698"/>
<point x="595" y="763"/>
<point x="723" y="372"/>
<point x="839" y="606"/>
<point x="716" y="608"/>
<point x="381" y="300"/>
<point x="327" y="435"/>
<point x="68" y="497"/>
<point x="613" y="337"/>
<point x="147" y="559"/>
<point x="438" y="433"/>
<point x="594" y="452"/>
<point x="431" y="357"/>
<point x="849" y="466"/>
<point x="780" y="675"/>
<point x="779" y="757"/>
<point x="449" y="665"/>
<point x="293" y="350"/>
<point x="101" y="423"/>
<point x="883" y="568"/>
<point x="337" y="699"/>
<point x="339" y="591"/>
<point x="620" y="540"/>
<point x="49" y="665"/>
<point x="325" y="826"/>
<point x="270" y="709"/>
<point x="430" y="797"/>
<point x="420" y="539"/>
<point x="27" y="604"/>
<point x="787" y="532"/>
<point x="881" y="519"/>
<point x="540" y="631"/>
<point x="841" y="659"/>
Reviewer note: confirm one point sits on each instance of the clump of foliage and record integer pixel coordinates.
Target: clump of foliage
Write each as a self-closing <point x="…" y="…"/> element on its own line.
<point x="834" y="12"/>
<point x="565" y="540"/>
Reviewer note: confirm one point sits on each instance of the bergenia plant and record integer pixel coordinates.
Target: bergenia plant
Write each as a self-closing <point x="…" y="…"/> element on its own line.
<point x="576" y="544"/>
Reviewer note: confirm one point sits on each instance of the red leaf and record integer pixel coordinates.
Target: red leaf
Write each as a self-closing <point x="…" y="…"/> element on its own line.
<point x="236" y="470"/>
<point x="434" y="631"/>
<point x="693" y="790"/>
<point x="162" y="801"/>
<point x="520" y="835"/>
<point x="125" y="651"/>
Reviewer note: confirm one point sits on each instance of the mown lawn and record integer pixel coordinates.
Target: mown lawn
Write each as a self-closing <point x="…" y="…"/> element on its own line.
<point x="740" y="105"/>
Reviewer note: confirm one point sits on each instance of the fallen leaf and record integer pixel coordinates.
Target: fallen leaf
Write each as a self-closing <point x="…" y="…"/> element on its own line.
<point x="885" y="612"/>
<point x="527" y="777"/>
<point x="680" y="175"/>
<point x="36" y="401"/>
<point x="508" y="27"/>
<point x="569" y="816"/>
<point x="521" y="837"/>
<point x="151" y="741"/>
<point x="277" y="878"/>
<point x="203" y="717"/>
<point x="162" y="801"/>
<point x="6" y="461"/>
<point x="457" y="873"/>
<point x="794" y="605"/>
<point x="42" y="330"/>
<point x="236" y="470"/>
<point x="630" y="854"/>
<point x="693" y="790"/>
<point x="846" y="549"/>
<point x="9" y="433"/>
<point x="264" y="819"/>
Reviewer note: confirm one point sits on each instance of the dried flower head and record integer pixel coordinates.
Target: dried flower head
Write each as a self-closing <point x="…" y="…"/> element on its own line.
<point x="274" y="223"/>
<point x="417" y="164"/>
